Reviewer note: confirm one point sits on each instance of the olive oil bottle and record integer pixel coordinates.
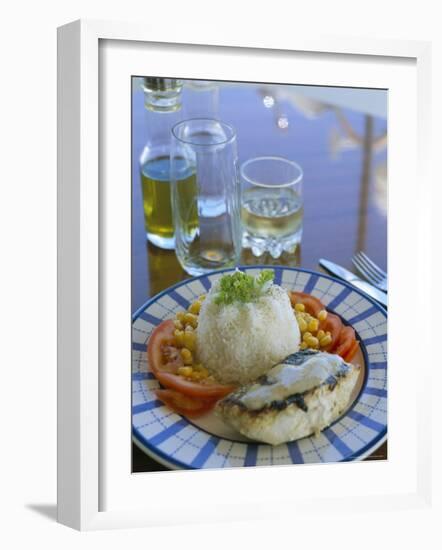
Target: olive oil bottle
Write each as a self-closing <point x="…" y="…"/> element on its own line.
<point x="162" y="101"/>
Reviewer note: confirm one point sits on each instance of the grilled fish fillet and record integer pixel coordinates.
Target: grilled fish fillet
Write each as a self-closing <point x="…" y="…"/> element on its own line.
<point x="301" y="396"/>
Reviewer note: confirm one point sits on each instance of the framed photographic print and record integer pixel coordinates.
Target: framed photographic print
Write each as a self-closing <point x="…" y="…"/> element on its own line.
<point x="225" y="232"/>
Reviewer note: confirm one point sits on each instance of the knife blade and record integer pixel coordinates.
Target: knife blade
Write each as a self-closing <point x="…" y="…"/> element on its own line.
<point x="351" y="278"/>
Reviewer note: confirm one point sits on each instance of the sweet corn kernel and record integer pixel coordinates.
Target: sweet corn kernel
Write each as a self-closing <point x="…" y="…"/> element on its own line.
<point x="320" y="334"/>
<point x="185" y="371"/>
<point x="328" y="333"/>
<point x="178" y="324"/>
<point x="180" y="315"/>
<point x="188" y="328"/>
<point x="299" y="307"/>
<point x="302" y="324"/>
<point x="313" y="325"/>
<point x="312" y="342"/>
<point x="179" y="337"/>
<point x="306" y="335"/>
<point x="190" y="340"/>
<point x="325" y="341"/>
<point x="303" y="345"/>
<point x="186" y="356"/>
<point x="195" y="308"/>
<point x="200" y="374"/>
<point x="322" y="315"/>
<point x="202" y="298"/>
<point x="191" y="319"/>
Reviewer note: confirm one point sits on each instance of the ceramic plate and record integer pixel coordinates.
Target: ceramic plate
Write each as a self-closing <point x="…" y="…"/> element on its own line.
<point x="207" y="442"/>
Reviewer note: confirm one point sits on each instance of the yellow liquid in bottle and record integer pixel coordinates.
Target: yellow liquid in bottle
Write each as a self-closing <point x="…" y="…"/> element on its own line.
<point x="157" y="204"/>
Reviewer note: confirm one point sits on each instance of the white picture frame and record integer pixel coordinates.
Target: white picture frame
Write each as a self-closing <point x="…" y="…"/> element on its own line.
<point x="95" y="487"/>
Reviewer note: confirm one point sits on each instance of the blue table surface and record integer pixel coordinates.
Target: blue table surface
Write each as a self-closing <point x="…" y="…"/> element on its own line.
<point x="344" y="193"/>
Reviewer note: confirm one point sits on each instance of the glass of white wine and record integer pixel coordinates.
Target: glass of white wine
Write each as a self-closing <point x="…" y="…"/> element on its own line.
<point x="272" y="205"/>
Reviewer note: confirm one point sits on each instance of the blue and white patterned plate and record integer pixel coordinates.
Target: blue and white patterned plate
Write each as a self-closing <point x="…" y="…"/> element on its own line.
<point x="207" y="443"/>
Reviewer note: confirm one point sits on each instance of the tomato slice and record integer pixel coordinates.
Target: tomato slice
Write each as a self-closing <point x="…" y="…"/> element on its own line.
<point x="193" y="389"/>
<point x="352" y="352"/>
<point x="312" y="304"/>
<point x="158" y="349"/>
<point x="346" y="340"/>
<point x="184" y="405"/>
<point x="332" y="324"/>
<point x="164" y="360"/>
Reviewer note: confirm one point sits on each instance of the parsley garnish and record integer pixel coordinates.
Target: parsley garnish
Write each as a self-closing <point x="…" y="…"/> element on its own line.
<point x="240" y="287"/>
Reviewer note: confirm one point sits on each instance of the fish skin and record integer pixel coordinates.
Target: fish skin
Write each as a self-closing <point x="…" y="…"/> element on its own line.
<point x="294" y="417"/>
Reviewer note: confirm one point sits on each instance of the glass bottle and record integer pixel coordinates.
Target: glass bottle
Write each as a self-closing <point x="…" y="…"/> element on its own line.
<point x="201" y="99"/>
<point x="162" y="101"/>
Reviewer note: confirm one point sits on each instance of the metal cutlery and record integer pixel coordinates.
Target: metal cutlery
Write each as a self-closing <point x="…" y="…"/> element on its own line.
<point x="351" y="278"/>
<point x="370" y="271"/>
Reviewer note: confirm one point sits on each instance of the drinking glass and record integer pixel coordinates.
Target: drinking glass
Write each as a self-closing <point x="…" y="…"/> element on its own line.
<point x="205" y="195"/>
<point x="272" y="205"/>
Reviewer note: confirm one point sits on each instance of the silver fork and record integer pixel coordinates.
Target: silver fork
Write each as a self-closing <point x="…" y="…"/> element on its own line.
<point x="368" y="269"/>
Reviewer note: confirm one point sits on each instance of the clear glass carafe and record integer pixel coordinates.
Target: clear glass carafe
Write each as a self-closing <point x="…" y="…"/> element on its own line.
<point x="205" y="195"/>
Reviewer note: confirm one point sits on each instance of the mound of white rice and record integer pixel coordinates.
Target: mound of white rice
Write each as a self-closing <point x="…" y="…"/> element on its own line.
<point x="241" y="341"/>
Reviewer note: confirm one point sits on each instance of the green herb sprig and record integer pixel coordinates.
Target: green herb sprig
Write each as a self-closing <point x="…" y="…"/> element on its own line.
<point x="240" y="287"/>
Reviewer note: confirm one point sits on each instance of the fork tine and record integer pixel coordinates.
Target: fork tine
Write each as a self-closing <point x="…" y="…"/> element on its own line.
<point x="368" y="269"/>
<point x="362" y="270"/>
<point x="373" y="265"/>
